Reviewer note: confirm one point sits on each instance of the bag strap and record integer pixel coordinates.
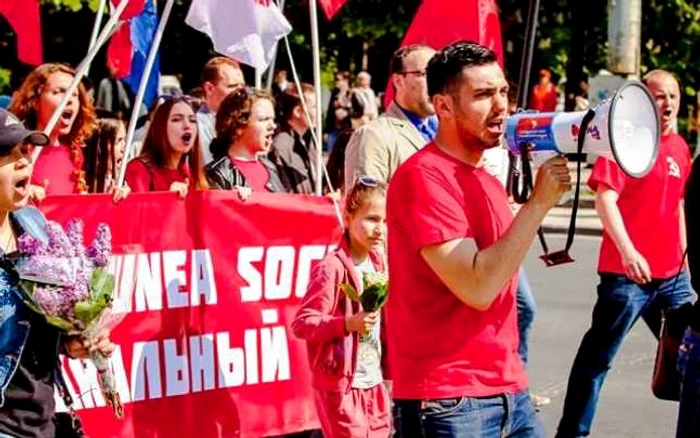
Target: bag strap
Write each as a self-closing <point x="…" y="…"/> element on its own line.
<point x="68" y="400"/>
<point x="563" y="256"/>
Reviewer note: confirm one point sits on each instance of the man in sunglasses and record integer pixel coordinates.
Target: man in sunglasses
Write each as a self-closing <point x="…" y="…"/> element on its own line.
<point x="378" y="148"/>
<point x="454" y="253"/>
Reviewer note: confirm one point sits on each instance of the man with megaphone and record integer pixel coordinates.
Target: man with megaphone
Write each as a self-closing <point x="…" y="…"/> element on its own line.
<point x="641" y="257"/>
<point x="454" y="254"/>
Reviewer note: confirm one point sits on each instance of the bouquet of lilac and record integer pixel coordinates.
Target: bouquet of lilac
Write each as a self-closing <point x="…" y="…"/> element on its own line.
<point x="70" y="286"/>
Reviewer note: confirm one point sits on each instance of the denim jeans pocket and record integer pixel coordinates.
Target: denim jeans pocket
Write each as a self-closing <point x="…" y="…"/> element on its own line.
<point x="443" y="407"/>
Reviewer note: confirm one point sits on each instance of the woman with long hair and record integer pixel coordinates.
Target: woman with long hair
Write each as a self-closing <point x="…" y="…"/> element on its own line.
<point x="245" y="128"/>
<point x="59" y="168"/>
<point x="103" y="155"/>
<point x="170" y="158"/>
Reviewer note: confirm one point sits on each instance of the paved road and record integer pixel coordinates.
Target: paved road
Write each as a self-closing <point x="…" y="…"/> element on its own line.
<point x="565" y="297"/>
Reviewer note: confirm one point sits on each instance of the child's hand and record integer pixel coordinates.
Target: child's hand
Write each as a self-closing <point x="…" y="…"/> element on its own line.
<point x="361" y="322"/>
<point x="243" y="192"/>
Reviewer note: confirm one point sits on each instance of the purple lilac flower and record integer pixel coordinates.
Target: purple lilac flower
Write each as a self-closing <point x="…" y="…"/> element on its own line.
<point x="75" y="236"/>
<point x="50" y="300"/>
<point x="101" y="248"/>
<point x="59" y="244"/>
<point x="28" y="244"/>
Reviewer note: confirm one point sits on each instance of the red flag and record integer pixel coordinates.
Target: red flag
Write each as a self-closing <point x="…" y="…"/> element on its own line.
<point x="120" y="51"/>
<point x="473" y="20"/>
<point x="23" y="16"/>
<point x="133" y="9"/>
<point x="331" y="7"/>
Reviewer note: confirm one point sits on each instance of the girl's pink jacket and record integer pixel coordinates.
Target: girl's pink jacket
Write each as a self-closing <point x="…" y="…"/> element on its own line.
<point x="321" y="321"/>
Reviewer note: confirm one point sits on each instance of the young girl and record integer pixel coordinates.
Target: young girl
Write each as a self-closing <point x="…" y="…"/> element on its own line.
<point x="170" y="158"/>
<point x="103" y="155"/>
<point x="29" y="346"/>
<point x="245" y="128"/>
<point x="345" y="351"/>
<point x="59" y="168"/>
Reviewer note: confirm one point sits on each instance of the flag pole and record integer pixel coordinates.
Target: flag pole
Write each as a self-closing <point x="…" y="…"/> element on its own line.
<point x="142" y="88"/>
<point x="111" y="25"/>
<point x="271" y="69"/>
<point x="315" y="48"/>
<point x="96" y="27"/>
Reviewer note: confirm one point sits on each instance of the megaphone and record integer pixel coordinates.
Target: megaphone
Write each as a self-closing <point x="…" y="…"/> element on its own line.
<point x="625" y="128"/>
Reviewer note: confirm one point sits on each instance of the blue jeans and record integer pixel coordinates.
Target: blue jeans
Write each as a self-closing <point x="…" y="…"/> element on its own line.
<point x="620" y="304"/>
<point x="689" y="369"/>
<point x="502" y="416"/>
<point x="526" y="314"/>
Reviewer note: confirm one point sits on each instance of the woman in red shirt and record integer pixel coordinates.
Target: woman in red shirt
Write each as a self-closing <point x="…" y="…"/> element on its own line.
<point x="59" y="168"/>
<point x="170" y="158"/>
<point x="245" y="128"/>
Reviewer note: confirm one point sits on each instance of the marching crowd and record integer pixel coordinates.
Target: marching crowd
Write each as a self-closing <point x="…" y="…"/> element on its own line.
<point x="423" y="183"/>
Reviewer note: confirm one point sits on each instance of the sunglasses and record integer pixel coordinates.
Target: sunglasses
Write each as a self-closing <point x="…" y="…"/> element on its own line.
<point x="192" y="101"/>
<point x="366" y="181"/>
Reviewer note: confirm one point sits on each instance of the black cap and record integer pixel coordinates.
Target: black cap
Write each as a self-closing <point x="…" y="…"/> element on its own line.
<point x="13" y="132"/>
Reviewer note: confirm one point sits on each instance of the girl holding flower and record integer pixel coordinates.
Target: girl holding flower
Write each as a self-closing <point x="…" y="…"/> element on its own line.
<point x="345" y="342"/>
<point x="29" y="346"/>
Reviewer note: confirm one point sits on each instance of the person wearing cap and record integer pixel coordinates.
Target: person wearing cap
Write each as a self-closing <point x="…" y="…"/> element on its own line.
<point x="29" y="346"/>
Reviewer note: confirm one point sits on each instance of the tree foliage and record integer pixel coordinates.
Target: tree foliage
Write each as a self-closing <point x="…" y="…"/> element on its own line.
<point x="571" y="38"/>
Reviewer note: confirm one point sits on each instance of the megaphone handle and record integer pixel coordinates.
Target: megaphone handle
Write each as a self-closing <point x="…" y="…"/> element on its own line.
<point x="561" y="257"/>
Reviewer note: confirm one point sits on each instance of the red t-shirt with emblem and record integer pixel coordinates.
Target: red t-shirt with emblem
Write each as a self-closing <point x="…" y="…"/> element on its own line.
<point x="650" y="208"/>
<point x="439" y="347"/>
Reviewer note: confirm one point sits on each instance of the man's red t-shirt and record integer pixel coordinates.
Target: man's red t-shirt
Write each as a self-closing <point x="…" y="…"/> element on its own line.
<point x="438" y="347"/>
<point x="55" y="166"/>
<point x="143" y="178"/>
<point x="650" y="208"/>
<point x="254" y="172"/>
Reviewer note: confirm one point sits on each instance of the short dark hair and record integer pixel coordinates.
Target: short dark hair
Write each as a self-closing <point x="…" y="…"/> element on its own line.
<point x="291" y="98"/>
<point x="445" y="68"/>
<point x="401" y="54"/>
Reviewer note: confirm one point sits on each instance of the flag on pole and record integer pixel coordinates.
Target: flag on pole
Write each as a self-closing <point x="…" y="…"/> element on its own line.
<point x="23" y="16"/>
<point x="331" y="7"/>
<point x="143" y="32"/>
<point x="246" y="30"/>
<point x="133" y="9"/>
<point x="129" y="47"/>
<point x="473" y="20"/>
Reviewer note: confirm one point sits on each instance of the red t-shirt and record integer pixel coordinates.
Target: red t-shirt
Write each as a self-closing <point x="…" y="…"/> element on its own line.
<point x="650" y="208"/>
<point x="140" y="178"/>
<point x="55" y="165"/>
<point x="438" y="347"/>
<point x="254" y="172"/>
<point x="544" y="98"/>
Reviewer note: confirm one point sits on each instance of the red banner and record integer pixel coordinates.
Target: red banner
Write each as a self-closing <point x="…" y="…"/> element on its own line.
<point x="211" y="285"/>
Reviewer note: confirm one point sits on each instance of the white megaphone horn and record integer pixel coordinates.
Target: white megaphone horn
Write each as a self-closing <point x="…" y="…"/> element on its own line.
<point x="625" y="128"/>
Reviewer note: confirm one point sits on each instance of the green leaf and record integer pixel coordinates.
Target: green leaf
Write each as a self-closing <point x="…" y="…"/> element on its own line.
<point x="101" y="286"/>
<point x="86" y="311"/>
<point x="374" y="297"/>
<point x="350" y="292"/>
<point x="60" y="323"/>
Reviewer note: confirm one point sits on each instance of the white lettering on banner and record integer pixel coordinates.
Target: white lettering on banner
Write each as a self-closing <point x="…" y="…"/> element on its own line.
<point x="173" y="367"/>
<point x="282" y="270"/>
<point x="143" y="279"/>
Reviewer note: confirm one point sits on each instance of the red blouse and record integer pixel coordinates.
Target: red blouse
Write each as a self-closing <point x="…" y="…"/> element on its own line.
<point x="150" y="178"/>
<point x="56" y="167"/>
